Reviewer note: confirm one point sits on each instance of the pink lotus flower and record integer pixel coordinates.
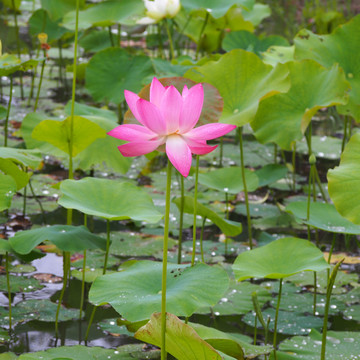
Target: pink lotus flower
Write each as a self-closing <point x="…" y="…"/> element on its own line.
<point x="169" y="118"/>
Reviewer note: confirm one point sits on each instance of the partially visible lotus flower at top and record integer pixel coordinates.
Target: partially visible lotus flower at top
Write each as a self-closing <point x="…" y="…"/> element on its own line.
<point x="169" y="119"/>
<point x="158" y="10"/>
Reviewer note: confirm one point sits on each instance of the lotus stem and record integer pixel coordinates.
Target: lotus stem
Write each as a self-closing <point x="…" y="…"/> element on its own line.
<point x="161" y="46"/>
<point x="83" y="277"/>
<point x="171" y="45"/>
<point x="245" y="186"/>
<point x="201" y="34"/>
<point x="18" y="47"/>
<point x="111" y="36"/>
<point x="119" y="35"/>
<point x="276" y="317"/>
<point x="346" y="122"/>
<point x="40" y="82"/>
<point x="195" y="210"/>
<point x="181" y="220"/>
<point x="164" y="267"/>
<point x="38" y="201"/>
<point x="8" y="287"/>
<point x="327" y="306"/>
<point x="330" y="254"/>
<point x="8" y="113"/>
<point x="201" y="239"/>
<point x="221" y="152"/>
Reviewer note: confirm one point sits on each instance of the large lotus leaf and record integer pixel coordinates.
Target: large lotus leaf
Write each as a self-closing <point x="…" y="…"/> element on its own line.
<point x="20" y="284"/>
<point x="113" y="70"/>
<point x="237" y="300"/>
<point x="40" y="22"/>
<point x="58" y="8"/>
<point x="323" y="147"/>
<point x="181" y="339"/>
<point x="231" y="344"/>
<point x="65" y="237"/>
<point x="283" y="118"/>
<point x="80" y="352"/>
<point x="30" y="121"/>
<point x="10" y="168"/>
<point x="339" y="345"/>
<point x="29" y="158"/>
<point x="229" y="180"/>
<point x="242" y="80"/>
<point x="95" y="41"/>
<point x="323" y="216"/>
<point x="42" y="310"/>
<point x="103" y="153"/>
<point x="340" y="47"/>
<point x="213" y="103"/>
<point x="216" y="8"/>
<point x="109" y="199"/>
<point x="58" y="133"/>
<point x="228" y="227"/>
<point x="344" y="181"/>
<point x="135" y="244"/>
<point x="10" y="64"/>
<point x="290" y="323"/>
<point x="255" y="15"/>
<point x="281" y="258"/>
<point x="87" y="110"/>
<point x="7" y="191"/>
<point x="8" y="355"/>
<point x="135" y="293"/>
<point x="164" y="68"/>
<point x="278" y="54"/>
<point x="271" y="173"/>
<point x="248" y="41"/>
<point x="106" y="13"/>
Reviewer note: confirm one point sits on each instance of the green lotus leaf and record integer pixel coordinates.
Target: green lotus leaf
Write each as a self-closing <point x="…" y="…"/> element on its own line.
<point x="95" y="41"/>
<point x="323" y="216"/>
<point x="106" y="80"/>
<point x="18" y="284"/>
<point x="182" y="341"/>
<point x="216" y="8"/>
<point x="8" y="189"/>
<point x="340" y="47"/>
<point x="109" y="199"/>
<point x="278" y="54"/>
<point x="65" y="237"/>
<point x="228" y="227"/>
<point x="58" y="8"/>
<point x="271" y="173"/>
<point x="344" y="181"/>
<point x="40" y="22"/>
<point x="281" y="258"/>
<point x="81" y="352"/>
<point x="106" y="13"/>
<point x="229" y="180"/>
<point x="242" y="80"/>
<point x="283" y="118"/>
<point x="25" y="157"/>
<point x="230" y="343"/>
<point x="339" y="345"/>
<point x="10" y="64"/>
<point x="58" y="133"/>
<point x="248" y="41"/>
<point x="10" y="168"/>
<point x="135" y="293"/>
<point x="87" y="110"/>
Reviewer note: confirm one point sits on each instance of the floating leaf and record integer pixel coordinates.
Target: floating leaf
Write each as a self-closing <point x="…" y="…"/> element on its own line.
<point x="271" y="173"/>
<point x="323" y="216"/>
<point x="20" y="284"/>
<point x="10" y="64"/>
<point x="289" y="323"/>
<point x="109" y="199"/>
<point x="58" y="133"/>
<point x="281" y="258"/>
<point x="7" y="191"/>
<point x="344" y="181"/>
<point x="283" y="118"/>
<point x="340" y="47"/>
<point x="340" y="345"/>
<point x="228" y="227"/>
<point x="181" y="340"/>
<point x="135" y="293"/>
<point x="65" y="237"/>
<point x="106" y="80"/>
<point x="25" y="157"/>
<point x="248" y="41"/>
<point x="242" y="92"/>
<point x="229" y="180"/>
